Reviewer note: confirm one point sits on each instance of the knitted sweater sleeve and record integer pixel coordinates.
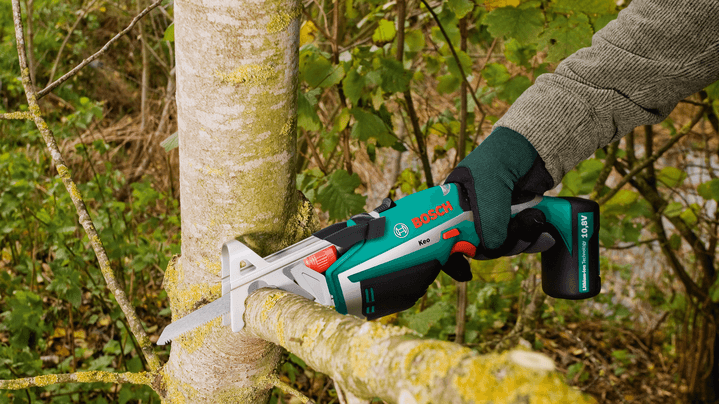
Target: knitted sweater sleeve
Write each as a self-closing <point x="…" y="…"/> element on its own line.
<point x="639" y="67"/>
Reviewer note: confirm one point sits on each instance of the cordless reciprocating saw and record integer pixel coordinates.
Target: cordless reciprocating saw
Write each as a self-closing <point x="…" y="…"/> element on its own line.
<point x="362" y="265"/>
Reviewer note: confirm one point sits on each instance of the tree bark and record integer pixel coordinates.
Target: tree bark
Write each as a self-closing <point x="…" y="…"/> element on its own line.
<point x="237" y="65"/>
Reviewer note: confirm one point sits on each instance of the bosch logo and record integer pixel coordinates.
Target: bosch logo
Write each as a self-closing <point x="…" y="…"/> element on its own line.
<point x="432" y="214"/>
<point x="400" y="230"/>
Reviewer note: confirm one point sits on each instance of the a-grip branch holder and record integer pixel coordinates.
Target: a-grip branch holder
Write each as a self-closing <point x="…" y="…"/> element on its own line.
<point x="244" y="271"/>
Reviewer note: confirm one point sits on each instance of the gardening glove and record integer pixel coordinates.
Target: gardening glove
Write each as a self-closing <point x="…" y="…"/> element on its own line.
<point x="504" y="170"/>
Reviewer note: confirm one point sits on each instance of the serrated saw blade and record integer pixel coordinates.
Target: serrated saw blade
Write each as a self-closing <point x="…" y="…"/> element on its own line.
<point x="195" y="319"/>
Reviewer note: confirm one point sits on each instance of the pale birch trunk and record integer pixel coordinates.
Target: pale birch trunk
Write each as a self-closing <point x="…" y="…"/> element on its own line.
<point x="237" y="65"/>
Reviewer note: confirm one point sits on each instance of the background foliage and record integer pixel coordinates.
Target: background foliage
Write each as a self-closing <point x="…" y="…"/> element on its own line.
<point x="382" y="112"/>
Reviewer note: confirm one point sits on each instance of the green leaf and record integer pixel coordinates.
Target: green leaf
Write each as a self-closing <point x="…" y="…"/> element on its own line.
<point x="342" y="120"/>
<point x="350" y="11"/>
<point x="601" y="21"/>
<point x="394" y="78"/>
<point x="353" y="85"/>
<point x="460" y="7"/>
<point x="337" y="196"/>
<point x="566" y="35"/>
<point x="671" y="176"/>
<point x="448" y="84"/>
<point x="709" y="190"/>
<point x="308" y="118"/>
<point x="624" y="197"/>
<point x="519" y="54"/>
<point x="523" y="24"/>
<point x="423" y="321"/>
<point x="414" y="40"/>
<point x="573" y="370"/>
<point x="385" y="32"/>
<point x="169" y="33"/>
<point x="368" y="125"/>
<point x="495" y="74"/>
<point x="689" y="217"/>
<point x="317" y="71"/>
<point x="713" y="91"/>
<point x="514" y="88"/>
<point x="673" y="209"/>
<point x="170" y="142"/>
<point x="584" y="6"/>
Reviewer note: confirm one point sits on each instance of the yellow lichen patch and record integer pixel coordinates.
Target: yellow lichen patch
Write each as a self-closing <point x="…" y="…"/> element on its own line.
<point x="366" y="339"/>
<point x="429" y="360"/>
<point x="63" y="171"/>
<point x="281" y="332"/>
<point x="268" y="304"/>
<point x="234" y="395"/>
<point x="178" y="392"/>
<point x="213" y="171"/>
<point x="45" y="380"/>
<point x="139" y="378"/>
<point x="251" y="74"/>
<point x="183" y="300"/>
<point x="214" y="267"/>
<point x="492" y="377"/>
<point x="311" y="334"/>
<point x="17" y="384"/>
<point x="281" y="21"/>
<point x="193" y="340"/>
<point x="74" y="191"/>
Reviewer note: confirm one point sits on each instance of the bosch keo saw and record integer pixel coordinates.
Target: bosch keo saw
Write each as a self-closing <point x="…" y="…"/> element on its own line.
<point x="363" y="265"/>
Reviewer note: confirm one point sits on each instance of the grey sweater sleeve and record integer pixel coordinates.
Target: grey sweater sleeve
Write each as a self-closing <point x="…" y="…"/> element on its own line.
<point x="639" y="67"/>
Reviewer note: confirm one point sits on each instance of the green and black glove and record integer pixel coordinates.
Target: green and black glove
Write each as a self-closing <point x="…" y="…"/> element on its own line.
<point x="504" y="170"/>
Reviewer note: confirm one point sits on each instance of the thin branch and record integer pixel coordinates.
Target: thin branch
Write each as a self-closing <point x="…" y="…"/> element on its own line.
<point x="17" y="115"/>
<point x="642" y="164"/>
<point x="412" y="114"/>
<point x="485" y="62"/>
<point x="83" y="215"/>
<point x="606" y="170"/>
<point x="97" y="54"/>
<point x="315" y="153"/>
<point x="146" y="378"/>
<point x="455" y="55"/>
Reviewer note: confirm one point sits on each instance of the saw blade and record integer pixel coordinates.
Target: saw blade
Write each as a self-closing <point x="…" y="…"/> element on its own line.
<point x="195" y="319"/>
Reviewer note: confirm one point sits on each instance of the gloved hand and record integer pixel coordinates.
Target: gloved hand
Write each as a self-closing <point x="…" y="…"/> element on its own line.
<point x="504" y="170"/>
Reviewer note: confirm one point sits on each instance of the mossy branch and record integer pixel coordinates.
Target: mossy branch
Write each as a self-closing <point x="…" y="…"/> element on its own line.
<point x="83" y="215"/>
<point x="373" y="360"/>
<point x="146" y="378"/>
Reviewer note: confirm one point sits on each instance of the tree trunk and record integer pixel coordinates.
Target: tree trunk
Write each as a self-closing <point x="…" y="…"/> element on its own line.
<point x="237" y="64"/>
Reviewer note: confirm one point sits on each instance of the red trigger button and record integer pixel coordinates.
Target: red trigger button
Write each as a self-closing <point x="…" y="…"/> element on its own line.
<point x="464" y="247"/>
<point x="451" y="233"/>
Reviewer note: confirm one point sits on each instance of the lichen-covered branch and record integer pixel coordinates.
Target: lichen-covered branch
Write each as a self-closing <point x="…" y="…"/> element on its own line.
<point x="374" y="360"/>
<point x="146" y="378"/>
<point x="83" y="215"/>
<point x="97" y="54"/>
<point x="17" y="115"/>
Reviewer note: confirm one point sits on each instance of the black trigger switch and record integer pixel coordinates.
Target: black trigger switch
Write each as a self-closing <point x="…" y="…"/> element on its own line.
<point x="386" y="204"/>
